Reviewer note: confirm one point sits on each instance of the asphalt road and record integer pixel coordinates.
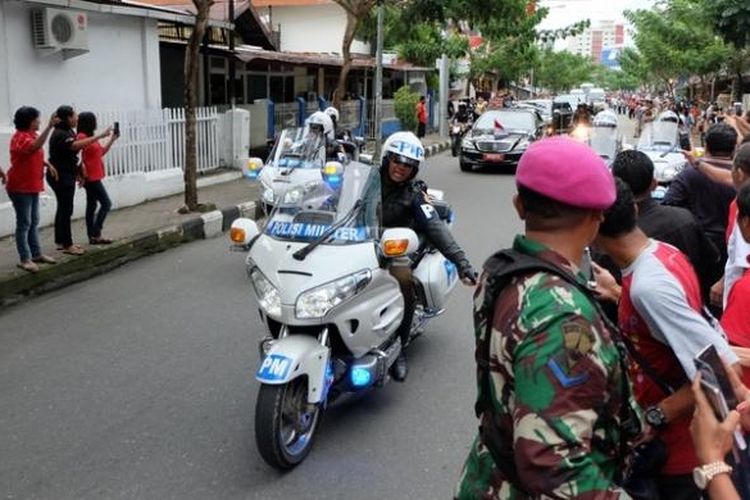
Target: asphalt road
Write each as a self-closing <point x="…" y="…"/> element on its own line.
<point x="139" y="383"/>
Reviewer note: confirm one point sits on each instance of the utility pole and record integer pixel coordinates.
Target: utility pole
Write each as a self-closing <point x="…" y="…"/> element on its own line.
<point x="232" y="61"/>
<point x="379" y="83"/>
<point x="444" y="84"/>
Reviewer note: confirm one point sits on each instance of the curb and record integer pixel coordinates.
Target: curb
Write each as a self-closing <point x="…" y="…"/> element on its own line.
<point x="436" y="148"/>
<point x="16" y="287"/>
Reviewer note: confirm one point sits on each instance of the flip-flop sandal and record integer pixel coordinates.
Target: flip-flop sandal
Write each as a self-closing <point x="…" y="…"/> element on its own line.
<point x="44" y="259"/>
<point x="100" y="241"/>
<point x="74" y="251"/>
<point x="29" y="267"/>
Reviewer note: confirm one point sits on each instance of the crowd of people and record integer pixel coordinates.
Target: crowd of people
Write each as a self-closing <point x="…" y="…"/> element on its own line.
<point x="587" y="380"/>
<point x="75" y="157"/>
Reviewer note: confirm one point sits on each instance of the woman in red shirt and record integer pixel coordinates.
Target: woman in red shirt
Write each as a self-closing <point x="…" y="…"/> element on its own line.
<point x="24" y="182"/>
<point x="92" y="160"/>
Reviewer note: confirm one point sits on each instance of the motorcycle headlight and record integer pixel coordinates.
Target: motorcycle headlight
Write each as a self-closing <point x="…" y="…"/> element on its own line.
<point x="267" y="191"/>
<point x="317" y="302"/>
<point x="268" y="296"/>
<point x="467" y="144"/>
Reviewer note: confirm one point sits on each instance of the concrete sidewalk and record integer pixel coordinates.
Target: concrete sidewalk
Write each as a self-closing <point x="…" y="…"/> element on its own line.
<point x="136" y="231"/>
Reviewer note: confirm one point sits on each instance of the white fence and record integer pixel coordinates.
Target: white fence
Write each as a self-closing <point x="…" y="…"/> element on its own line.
<point x="154" y="140"/>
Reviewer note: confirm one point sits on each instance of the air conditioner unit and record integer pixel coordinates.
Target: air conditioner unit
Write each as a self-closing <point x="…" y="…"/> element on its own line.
<point x="55" y="30"/>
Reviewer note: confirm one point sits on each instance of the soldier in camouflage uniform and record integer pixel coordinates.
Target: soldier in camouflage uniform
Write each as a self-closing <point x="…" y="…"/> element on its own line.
<point x="551" y="424"/>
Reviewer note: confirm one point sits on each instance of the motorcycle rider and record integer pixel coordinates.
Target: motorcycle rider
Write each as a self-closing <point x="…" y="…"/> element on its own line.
<point x="406" y="204"/>
<point x="322" y="123"/>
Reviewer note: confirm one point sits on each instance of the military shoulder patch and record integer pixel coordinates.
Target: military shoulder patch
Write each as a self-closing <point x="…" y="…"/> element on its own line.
<point x="578" y="342"/>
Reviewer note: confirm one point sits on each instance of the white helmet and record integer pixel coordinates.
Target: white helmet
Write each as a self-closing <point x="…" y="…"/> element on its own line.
<point x="323" y="122"/>
<point x="333" y="113"/>
<point x="405" y="147"/>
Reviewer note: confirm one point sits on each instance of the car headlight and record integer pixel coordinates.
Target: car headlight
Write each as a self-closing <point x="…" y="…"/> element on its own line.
<point x="268" y="296"/>
<point x="317" y="302"/>
<point x="467" y="144"/>
<point x="523" y="143"/>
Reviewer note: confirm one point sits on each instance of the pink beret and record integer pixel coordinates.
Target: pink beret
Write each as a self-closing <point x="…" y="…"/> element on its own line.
<point x="567" y="171"/>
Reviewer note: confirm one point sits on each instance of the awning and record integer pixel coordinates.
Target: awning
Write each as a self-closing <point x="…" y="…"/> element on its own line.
<point x="308" y="58"/>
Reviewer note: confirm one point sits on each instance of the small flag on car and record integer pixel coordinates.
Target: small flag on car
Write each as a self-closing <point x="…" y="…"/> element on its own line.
<point x="499" y="129"/>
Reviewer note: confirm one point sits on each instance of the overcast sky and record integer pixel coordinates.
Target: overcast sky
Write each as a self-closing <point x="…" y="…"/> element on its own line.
<point x="566" y="12"/>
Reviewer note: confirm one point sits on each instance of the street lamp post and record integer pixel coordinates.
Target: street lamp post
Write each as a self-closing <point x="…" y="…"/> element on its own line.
<point x="379" y="83"/>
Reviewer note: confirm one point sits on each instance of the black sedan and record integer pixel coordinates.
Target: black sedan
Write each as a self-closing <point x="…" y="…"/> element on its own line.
<point x="499" y="138"/>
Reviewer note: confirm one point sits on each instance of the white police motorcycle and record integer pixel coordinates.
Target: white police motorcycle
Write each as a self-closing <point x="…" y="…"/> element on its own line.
<point x="660" y="140"/>
<point x="603" y="138"/>
<point x="329" y="306"/>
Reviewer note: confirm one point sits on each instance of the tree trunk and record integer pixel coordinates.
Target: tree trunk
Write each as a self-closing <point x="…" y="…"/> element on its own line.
<point x="192" y="55"/>
<point x="352" y="22"/>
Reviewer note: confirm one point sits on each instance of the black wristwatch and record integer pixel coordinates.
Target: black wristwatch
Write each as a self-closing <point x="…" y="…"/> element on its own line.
<point x="655" y="418"/>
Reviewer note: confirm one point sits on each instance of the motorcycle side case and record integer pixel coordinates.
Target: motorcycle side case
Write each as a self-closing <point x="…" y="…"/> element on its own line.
<point x="439" y="277"/>
<point x="294" y="356"/>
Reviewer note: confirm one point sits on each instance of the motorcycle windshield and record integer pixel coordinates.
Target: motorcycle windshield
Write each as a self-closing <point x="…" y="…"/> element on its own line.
<point x="665" y="129"/>
<point x="350" y="200"/>
<point x="604" y="141"/>
<point x="300" y="147"/>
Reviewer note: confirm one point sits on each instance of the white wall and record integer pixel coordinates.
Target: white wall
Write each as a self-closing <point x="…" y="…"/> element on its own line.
<point x="314" y="28"/>
<point x="121" y="71"/>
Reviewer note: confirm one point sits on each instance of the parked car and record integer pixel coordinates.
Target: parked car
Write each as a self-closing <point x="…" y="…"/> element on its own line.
<point x="499" y="138"/>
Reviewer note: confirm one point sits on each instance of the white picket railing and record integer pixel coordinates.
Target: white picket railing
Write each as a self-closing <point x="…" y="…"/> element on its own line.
<point x="154" y="140"/>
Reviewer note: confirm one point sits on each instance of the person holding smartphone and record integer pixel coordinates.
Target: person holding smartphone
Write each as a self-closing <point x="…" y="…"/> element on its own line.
<point x="98" y="203"/>
<point x="714" y="439"/>
<point x="25" y="180"/>
<point x="660" y="315"/>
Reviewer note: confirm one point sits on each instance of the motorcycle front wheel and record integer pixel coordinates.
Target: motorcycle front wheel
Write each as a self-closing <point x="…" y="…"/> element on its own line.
<point x="285" y="423"/>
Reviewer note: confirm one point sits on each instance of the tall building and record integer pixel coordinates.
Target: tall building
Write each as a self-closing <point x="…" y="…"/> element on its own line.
<point x="593" y="40"/>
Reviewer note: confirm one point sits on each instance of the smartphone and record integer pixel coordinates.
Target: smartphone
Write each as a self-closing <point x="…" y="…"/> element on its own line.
<point x="717" y="387"/>
<point x="709" y="358"/>
<point x="587" y="269"/>
<point x="116" y="128"/>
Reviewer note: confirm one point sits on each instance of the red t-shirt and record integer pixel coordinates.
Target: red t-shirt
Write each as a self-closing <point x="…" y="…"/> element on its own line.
<point x="26" y="173"/>
<point x="732" y="218"/>
<point x="422" y="112"/>
<point x="736" y="318"/>
<point x="92" y="158"/>
<point x="659" y="355"/>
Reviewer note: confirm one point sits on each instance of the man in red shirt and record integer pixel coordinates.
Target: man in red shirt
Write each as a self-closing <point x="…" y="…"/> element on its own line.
<point x="660" y="315"/>
<point x="422" y="117"/>
<point x="736" y="318"/>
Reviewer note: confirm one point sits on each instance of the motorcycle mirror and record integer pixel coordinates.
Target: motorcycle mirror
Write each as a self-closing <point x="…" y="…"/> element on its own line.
<point x="398" y="242"/>
<point x="366" y="159"/>
<point x="251" y="168"/>
<point x="243" y="231"/>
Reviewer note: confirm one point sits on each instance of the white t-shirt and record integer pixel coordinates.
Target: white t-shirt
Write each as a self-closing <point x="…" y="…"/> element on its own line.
<point x="738" y="251"/>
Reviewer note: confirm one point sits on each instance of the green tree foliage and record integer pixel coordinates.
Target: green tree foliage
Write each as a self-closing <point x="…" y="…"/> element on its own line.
<point x="675" y="39"/>
<point x="422" y="30"/>
<point x="561" y="71"/>
<point x="405" y="106"/>
<point x="731" y="20"/>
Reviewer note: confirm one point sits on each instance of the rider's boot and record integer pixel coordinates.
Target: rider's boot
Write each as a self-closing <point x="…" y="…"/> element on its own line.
<point x="400" y="369"/>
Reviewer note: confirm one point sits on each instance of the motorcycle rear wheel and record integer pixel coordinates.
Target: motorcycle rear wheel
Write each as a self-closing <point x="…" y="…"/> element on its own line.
<point x="284" y="424"/>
